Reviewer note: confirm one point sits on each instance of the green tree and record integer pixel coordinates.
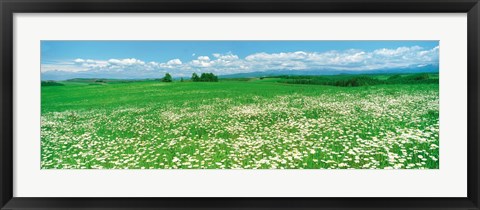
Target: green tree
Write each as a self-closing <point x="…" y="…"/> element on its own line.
<point x="195" y="77"/>
<point x="203" y="77"/>
<point x="208" y="77"/>
<point x="167" y="78"/>
<point x="181" y="79"/>
<point x="214" y="78"/>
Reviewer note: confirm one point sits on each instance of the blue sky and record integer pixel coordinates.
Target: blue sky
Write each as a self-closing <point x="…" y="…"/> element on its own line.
<point x="125" y="59"/>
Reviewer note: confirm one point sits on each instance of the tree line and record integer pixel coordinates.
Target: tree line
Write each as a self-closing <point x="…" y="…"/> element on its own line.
<point x="204" y="77"/>
<point x="359" y="80"/>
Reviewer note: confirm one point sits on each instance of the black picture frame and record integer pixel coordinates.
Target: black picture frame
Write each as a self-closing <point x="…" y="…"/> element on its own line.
<point x="9" y="7"/>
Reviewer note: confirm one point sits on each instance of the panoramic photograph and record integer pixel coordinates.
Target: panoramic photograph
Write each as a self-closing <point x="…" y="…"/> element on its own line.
<point x="240" y="104"/>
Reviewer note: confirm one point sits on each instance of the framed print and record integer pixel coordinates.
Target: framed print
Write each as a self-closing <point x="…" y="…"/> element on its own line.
<point x="239" y="105"/>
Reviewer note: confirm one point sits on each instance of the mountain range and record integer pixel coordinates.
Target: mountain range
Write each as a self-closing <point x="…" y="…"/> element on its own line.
<point x="63" y="75"/>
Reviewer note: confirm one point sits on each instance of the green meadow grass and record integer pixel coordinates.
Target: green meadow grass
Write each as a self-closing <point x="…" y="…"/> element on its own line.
<point x="239" y="124"/>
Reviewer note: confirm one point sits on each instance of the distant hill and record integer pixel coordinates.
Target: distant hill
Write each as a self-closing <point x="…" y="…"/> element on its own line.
<point x="62" y="75"/>
<point x="425" y="69"/>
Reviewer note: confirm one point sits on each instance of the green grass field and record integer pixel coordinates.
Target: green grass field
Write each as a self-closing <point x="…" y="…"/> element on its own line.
<point x="254" y="123"/>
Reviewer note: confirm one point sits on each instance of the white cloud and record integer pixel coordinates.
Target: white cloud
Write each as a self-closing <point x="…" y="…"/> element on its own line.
<point x="89" y="63"/>
<point x="202" y="62"/>
<point x="203" y="58"/>
<point x="352" y="59"/>
<point x="62" y="67"/>
<point x="169" y="64"/>
<point x="125" y="62"/>
<point x="174" y="62"/>
<point x="397" y="52"/>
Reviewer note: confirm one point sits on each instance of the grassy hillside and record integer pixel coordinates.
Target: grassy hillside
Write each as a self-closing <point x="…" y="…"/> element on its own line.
<point x="241" y="123"/>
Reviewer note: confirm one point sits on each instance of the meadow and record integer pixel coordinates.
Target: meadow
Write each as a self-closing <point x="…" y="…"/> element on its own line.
<point x="250" y="123"/>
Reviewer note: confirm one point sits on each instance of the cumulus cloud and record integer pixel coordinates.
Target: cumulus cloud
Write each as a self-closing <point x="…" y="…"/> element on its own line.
<point x="202" y="62"/>
<point x="174" y="62"/>
<point x="125" y="62"/>
<point x="62" y="68"/>
<point x="229" y="63"/>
